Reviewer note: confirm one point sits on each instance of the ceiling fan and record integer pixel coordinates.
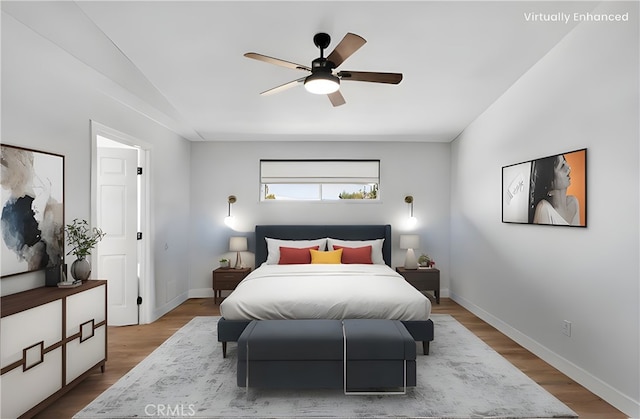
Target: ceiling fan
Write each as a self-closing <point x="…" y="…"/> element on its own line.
<point x="324" y="77"/>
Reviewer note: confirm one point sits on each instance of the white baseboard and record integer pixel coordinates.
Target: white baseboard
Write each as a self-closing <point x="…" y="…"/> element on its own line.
<point x="201" y="293"/>
<point x="612" y="396"/>
<point x="168" y="306"/>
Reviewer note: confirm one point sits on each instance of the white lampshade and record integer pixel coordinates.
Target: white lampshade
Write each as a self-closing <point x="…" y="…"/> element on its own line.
<point x="409" y="241"/>
<point x="238" y="244"/>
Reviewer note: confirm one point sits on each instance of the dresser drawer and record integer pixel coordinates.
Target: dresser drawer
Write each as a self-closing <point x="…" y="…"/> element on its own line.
<point x="227" y="284"/>
<point x="229" y="276"/>
<point x="21" y="390"/>
<point x="31" y="344"/>
<point x="27" y="328"/>
<point x="87" y="306"/>
<point x="85" y="352"/>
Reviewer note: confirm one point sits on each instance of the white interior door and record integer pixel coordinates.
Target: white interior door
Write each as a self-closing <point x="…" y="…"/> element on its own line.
<point x="117" y="253"/>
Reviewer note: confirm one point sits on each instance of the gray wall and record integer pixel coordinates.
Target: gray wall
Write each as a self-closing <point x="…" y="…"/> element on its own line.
<point x="221" y="169"/>
<point x="527" y="279"/>
<point x="48" y="100"/>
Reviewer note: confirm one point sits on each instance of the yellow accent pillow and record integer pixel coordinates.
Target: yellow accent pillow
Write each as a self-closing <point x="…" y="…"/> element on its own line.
<point x="330" y="257"/>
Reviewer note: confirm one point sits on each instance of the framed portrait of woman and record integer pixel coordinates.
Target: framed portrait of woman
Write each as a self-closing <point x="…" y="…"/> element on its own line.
<point x="32" y="199"/>
<point x="550" y="190"/>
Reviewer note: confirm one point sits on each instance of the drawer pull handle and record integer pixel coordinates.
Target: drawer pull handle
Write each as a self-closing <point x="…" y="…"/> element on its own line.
<point x="32" y="356"/>
<point x="86" y="330"/>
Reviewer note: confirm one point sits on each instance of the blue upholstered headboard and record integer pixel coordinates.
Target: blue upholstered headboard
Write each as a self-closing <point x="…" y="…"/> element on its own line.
<point x="301" y="232"/>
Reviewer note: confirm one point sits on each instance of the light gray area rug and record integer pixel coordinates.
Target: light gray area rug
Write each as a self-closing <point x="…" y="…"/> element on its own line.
<point x="187" y="376"/>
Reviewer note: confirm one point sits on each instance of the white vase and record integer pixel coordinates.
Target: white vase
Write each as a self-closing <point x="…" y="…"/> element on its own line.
<point x="81" y="268"/>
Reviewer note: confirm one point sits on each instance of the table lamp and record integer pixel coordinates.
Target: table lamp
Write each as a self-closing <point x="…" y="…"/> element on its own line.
<point x="238" y="244"/>
<point x="410" y="242"/>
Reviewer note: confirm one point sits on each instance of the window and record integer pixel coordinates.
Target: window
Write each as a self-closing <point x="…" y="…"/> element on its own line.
<point x="319" y="180"/>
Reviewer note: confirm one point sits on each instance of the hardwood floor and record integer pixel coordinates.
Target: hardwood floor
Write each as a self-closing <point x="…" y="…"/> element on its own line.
<point x="127" y="346"/>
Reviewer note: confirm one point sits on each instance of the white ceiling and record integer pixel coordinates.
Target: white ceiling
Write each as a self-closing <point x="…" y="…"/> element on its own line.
<point x="182" y="62"/>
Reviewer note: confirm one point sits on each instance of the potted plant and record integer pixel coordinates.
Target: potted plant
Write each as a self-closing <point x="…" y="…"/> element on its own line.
<point x="424" y="260"/>
<point x="82" y="239"/>
<point x="224" y="263"/>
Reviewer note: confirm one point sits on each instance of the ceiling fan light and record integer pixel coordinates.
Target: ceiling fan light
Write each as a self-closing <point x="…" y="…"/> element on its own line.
<point x="322" y="83"/>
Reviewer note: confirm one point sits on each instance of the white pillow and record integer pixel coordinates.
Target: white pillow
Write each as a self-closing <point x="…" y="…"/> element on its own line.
<point x="376" y="247"/>
<point x="273" y="247"/>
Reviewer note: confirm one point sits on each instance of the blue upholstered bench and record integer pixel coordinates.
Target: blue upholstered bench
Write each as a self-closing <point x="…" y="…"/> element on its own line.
<point x="380" y="354"/>
<point x="230" y="331"/>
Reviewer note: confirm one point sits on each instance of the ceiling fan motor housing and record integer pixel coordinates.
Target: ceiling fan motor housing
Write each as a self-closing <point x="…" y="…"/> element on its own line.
<point x="322" y="65"/>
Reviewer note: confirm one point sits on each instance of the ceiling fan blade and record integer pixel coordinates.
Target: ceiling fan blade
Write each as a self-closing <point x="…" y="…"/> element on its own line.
<point x="276" y="61"/>
<point x="336" y="98"/>
<point x="349" y="44"/>
<point x="390" y="78"/>
<point x="282" y="87"/>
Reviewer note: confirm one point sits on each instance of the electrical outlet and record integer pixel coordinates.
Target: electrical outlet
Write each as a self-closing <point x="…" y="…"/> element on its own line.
<point x="566" y="327"/>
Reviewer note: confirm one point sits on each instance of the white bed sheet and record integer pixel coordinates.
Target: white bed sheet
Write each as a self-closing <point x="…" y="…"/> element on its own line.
<point x="317" y="291"/>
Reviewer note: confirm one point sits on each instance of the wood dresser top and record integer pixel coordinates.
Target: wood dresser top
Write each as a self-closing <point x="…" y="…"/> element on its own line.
<point x="21" y="301"/>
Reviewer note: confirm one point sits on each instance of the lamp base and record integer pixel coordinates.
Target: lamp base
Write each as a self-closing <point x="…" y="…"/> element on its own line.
<point x="410" y="261"/>
<point x="238" y="264"/>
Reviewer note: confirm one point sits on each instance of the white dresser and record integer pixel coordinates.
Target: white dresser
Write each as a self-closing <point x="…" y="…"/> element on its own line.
<point x="50" y="339"/>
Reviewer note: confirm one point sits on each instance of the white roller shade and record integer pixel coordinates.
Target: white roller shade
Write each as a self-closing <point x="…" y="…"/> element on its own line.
<point x="319" y="171"/>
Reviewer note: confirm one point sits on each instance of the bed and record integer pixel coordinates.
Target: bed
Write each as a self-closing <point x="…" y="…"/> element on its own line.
<point x="324" y="291"/>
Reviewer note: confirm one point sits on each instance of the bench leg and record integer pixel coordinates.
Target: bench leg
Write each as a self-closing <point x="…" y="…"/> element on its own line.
<point x="425" y="347"/>
<point x="224" y="349"/>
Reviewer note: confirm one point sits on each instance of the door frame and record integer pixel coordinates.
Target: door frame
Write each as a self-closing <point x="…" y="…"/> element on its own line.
<point x="145" y="258"/>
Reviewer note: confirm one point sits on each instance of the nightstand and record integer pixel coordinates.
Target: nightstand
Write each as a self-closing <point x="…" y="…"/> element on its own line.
<point x="427" y="279"/>
<point x="227" y="279"/>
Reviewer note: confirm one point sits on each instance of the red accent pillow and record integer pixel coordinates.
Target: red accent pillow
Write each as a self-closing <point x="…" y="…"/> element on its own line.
<point x="295" y="255"/>
<point x="355" y="254"/>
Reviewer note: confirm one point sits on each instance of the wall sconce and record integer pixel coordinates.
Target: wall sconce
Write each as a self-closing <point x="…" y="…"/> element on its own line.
<point x="228" y="220"/>
<point x="410" y="242"/>
<point x="238" y="244"/>
<point x="412" y="220"/>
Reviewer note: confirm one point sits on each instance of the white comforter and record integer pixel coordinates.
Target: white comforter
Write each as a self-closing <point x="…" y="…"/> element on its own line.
<point x="325" y="292"/>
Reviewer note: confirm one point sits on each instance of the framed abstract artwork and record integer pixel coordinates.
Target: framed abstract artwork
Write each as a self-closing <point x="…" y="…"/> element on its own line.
<point x="551" y="190"/>
<point x="32" y="220"/>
